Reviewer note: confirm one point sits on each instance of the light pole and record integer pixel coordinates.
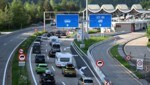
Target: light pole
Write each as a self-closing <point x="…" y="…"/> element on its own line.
<point x="87" y="15"/>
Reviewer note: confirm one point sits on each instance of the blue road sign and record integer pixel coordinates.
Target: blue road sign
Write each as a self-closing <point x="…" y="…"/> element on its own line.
<point x="100" y="20"/>
<point x="67" y="20"/>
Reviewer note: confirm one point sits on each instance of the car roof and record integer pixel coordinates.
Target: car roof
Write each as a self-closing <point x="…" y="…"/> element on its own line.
<point x="40" y="55"/>
<point x="89" y="78"/>
<point x="36" y="42"/>
<point x="43" y="64"/>
<point x="64" y="54"/>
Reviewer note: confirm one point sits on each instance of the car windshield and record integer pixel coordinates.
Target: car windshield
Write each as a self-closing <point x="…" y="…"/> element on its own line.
<point x="41" y="56"/>
<point x="53" y="40"/>
<point x="64" y="59"/>
<point x="88" y="81"/>
<point x="43" y="65"/>
<point x="56" y="46"/>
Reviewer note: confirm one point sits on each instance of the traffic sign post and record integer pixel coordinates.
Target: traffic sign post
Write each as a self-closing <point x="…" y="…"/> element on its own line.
<point x="100" y="20"/>
<point x="22" y="59"/>
<point x="100" y="63"/>
<point x="128" y="57"/>
<point x="20" y="51"/>
<point x="139" y="64"/>
<point x="67" y="20"/>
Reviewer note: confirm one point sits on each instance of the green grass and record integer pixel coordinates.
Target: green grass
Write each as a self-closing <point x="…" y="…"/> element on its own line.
<point x="71" y="35"/>
<point x="20" y="74"/>
<point x="94" y="31"/>
<point x="90" y="42"/>
<point x="148" y="44"/>
<point x="114" y="52"/>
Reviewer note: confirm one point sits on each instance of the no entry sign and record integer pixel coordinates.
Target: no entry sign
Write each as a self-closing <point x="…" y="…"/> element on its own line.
<point x="100" y="63"/>
<point x="139" y="64"/>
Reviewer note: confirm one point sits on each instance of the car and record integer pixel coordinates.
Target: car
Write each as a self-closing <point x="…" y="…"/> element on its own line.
<point x="41" y="68"/>
<point x="69" y="70"/>
<point x="38" y="39"/>
<point x="36" y="48"/>
<point x="54" y="48"/>
<point x="39" y="58"/>
<point x="85" y="81"/>
<point x="47" y="78"/>
<point x="53" y="39"/>
<point x="58" y="33"/>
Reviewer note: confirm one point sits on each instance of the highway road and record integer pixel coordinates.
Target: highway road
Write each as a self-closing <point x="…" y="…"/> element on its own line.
<point x="112" y="69"/>
<point x="59" y="78"/>
<point x="7" y="45"/>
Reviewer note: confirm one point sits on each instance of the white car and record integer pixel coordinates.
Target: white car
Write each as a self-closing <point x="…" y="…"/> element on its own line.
<point x="53" y="39"/>
<point x="85" y="81"/>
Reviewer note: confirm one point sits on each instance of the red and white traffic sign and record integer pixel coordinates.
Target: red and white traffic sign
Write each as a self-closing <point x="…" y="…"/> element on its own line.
<point x="22" y="57"/>
<point x="100" y="63"/>
<point x="139" y="64"/>
<point x="21" y="51"/>
<point x="128" y="57"/>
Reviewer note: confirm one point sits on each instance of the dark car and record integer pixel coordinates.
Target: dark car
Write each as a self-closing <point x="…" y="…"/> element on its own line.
<point x="47" y="78"/>
<point x="58" y="33"/>
<point x="36" y="48"/>
<point x="55" y="48"/>
<point x="40" y="58"/>
<point x="38" y="39"/>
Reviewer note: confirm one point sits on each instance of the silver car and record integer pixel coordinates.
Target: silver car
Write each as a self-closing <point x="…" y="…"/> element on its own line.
<point x="85" y="81"/>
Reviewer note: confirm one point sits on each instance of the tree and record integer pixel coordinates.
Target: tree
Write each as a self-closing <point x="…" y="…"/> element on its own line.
<point x="2" y="4"/>
<point x="52" y="3"/>
<point x="19" y="14"/>
<point x="47" y="6"/>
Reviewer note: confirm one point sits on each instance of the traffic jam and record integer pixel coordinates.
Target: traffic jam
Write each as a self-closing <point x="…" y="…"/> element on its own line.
<point x="52" y="63"/>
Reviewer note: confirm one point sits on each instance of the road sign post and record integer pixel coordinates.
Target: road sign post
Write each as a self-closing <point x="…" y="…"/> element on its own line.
<point x="67" y="20"/>
<point x="100" y="63"/>
<point x="100" y="20"/>
<point x="22" y="59"/>
<point x="139" y="64"/>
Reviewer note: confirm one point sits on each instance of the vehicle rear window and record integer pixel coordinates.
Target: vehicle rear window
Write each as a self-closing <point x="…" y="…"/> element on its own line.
<point x="64" y="59"/>
<point x="53" y="40"/>
<point x="88" y="81"/>
<point x="43" y="66"/>
<point x="56" y="46"/>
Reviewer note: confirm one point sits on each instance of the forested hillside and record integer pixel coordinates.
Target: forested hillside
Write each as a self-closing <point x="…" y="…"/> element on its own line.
<point x="15" y="14"/>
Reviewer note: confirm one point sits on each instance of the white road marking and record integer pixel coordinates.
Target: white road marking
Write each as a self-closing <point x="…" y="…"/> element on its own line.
<point x="4" y="76"/>
<point x="33" y="76"/>
<point x="48" y="57"/>
<point x="46" y="45"/>
<point x="53" y="68"/>
<point x="46" y="50"/>
<point x="11" y="40"/>
<point x="75" y="55"/>
<point x="63" y="83"/>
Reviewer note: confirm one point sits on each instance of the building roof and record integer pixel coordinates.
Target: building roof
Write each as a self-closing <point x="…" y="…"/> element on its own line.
<point x="109" y="8"/>
<point x="122" y="8"/>
<point x="95" y="8"/>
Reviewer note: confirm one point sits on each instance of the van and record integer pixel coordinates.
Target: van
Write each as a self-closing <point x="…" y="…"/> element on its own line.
<point x="61" y="59"/>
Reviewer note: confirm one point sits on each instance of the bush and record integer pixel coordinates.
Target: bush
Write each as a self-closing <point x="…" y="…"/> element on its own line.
<point x="94" y="31"/>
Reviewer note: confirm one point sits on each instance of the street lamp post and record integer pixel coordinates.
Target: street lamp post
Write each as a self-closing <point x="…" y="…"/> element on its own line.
<point x="87" y="15"/>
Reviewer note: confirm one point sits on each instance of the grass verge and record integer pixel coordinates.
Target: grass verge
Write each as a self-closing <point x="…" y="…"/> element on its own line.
<point x="94" y="31"/>
<point x="20" y="74"/>
<point x="90" y="42"/>
<point x="114" y="52"/>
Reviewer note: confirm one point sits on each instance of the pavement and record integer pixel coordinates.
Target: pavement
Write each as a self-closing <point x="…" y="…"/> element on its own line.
<point x="138" y="49"/>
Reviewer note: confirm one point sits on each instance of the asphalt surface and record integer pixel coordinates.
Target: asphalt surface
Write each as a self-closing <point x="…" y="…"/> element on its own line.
<point x="59" y="78"/>
<point x="7" y="45"/>
<point x="112" y="69"/>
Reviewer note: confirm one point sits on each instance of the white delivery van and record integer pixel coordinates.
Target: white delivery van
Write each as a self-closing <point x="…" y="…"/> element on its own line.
<point x="61" y="58"/>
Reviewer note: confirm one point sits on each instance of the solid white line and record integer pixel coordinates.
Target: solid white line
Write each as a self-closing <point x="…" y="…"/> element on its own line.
<point x="63" y="83"/>
<point x="46" y="50"/>
<point x="4" y="76"/>
<point x="48" y="57"/>
<point x="53" y="68"/>
<point x="87" y="65"/>
<point x="33" y="76"/>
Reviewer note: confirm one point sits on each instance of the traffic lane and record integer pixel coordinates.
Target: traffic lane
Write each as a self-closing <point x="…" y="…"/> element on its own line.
<point x="60" y="80"/>
<point x="81" y="63"/>
<point x="112" y="69"/>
